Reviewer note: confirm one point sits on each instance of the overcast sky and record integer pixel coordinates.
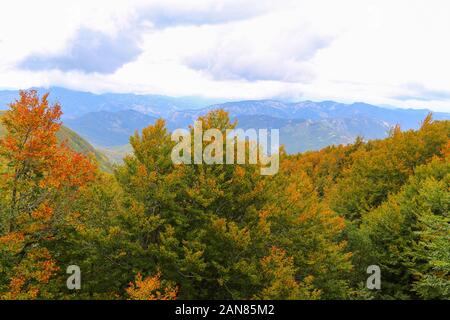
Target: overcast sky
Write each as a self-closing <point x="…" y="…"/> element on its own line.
<point x="393" y="52"/>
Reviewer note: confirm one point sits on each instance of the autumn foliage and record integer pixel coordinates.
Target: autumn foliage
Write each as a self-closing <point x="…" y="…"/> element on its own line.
<point x="150" y="288"/>
<point x="36" y="171"/>
<point x="156" y="230"/>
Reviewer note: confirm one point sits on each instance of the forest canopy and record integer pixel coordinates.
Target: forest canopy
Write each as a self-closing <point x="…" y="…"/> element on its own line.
<point x="153" y="229"/>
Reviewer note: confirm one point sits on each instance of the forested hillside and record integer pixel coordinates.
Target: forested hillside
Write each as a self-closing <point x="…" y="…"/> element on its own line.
<point x="156" y="230"/>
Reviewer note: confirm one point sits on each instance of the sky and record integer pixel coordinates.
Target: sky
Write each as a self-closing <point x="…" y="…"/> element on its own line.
<point x="393" y="53"/>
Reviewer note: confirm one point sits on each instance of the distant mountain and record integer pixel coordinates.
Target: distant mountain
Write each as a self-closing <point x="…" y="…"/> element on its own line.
<point x="298" y="135"/>
<point x="107" y="120"/>
<point x="314" y="135"/>
<point x="407" y="118"/>
<point x="117" y="153"/>
<point x="104" y="128"/>
<point x="77" y="103"/>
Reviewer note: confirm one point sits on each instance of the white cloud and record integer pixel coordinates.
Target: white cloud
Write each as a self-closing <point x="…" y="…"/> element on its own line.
<point x="264" y="48"/>
<point x="348" y="50"/>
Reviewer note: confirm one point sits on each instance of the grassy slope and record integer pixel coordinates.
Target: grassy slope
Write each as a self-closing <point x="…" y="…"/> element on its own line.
<point x="117" y="153"/>
<point x="78" y="144"/>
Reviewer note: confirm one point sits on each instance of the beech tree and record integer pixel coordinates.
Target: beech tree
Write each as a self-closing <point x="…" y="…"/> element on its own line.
<point x="39" y="179"/>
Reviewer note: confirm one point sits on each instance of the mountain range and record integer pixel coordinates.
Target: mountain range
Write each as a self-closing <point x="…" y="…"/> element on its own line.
<point x="78" y="103"/>
<point x="107" y="120"/>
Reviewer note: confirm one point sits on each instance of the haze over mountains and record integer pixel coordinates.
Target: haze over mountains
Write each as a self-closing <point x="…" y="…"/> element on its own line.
<point x="77" y="103"/>
<point x="107" y="120"/>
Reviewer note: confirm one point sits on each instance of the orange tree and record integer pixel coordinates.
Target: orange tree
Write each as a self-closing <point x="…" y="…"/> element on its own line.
<point x="39" y="179"/>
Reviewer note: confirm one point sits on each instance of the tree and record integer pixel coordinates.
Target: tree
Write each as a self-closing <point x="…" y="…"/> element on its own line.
<point x="279" y="275"/>
<point x="295" y="220"/>
<point x="150" y="288"/>
<point x="39" y="179"/>
<point x="383" y="166"/>
<point x="213" y="226"/>
<point x="409" y="235"/>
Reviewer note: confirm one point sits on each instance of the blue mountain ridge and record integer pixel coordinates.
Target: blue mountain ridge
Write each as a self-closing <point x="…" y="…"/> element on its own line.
<point x="107" y="120"/>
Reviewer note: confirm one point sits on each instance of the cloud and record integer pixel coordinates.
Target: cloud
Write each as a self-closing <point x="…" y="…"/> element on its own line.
<point x="268" y="49"/>
<point x="89" y="51"/>
<point x="348" y="50"/>
<point x="172" y="13"/>
<point x="418" y="92"/>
